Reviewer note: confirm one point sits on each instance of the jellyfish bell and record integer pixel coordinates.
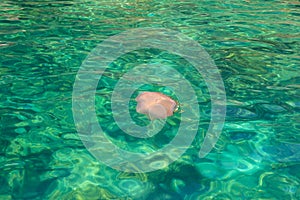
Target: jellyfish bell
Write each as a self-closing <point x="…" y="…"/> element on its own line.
<point x="155" y="105"/>
<point x="157" y="111"/>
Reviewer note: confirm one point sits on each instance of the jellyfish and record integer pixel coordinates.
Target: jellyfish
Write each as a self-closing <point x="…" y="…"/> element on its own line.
<point x="155" y="105"/>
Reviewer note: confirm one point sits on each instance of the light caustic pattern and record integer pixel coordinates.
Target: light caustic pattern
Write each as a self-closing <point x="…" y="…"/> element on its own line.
<point x="111" y="49"/>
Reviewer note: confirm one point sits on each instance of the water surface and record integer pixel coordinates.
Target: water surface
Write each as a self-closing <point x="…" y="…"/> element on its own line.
<point x="255" y="45"/>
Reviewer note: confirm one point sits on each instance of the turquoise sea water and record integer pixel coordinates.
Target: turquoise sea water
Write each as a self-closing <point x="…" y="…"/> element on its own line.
<point x="255" y="45"/>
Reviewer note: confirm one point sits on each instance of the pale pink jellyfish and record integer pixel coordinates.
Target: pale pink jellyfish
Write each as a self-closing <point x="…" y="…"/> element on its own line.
<point x="155" y="105"/>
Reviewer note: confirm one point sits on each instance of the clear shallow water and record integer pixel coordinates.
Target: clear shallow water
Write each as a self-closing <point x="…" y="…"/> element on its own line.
<point x="255" y="45"/>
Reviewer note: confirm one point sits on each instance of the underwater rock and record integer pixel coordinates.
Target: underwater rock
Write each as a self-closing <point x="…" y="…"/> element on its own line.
<point x="283" y="152"/>
<point x="241" y="135"/>
<point x="272" y="108"/>
<point x="241" y="113"/>
<point x="177" y="185"/>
